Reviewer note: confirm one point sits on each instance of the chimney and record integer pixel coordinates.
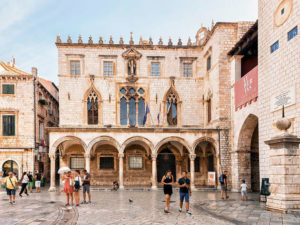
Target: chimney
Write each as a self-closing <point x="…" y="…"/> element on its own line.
<point x="34" y="71"/>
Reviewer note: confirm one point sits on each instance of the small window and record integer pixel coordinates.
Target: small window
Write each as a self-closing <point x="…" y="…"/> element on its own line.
<point x="135" y="162"/>
<point x="155" y="69"/>
<point x="208" y="63"/>
<point x="274" y="46"/>
<point x="77" y="162"/>
<point x="8" y="125"/>
<point x="282" y="11"/>
<point x="208" y="110"/>
<point x="293" y="33"/>
<point x="41" y="131"/>
<point x="75" y="67"/>
<point x="108" y="68"/>
<point x="107" y="163"/>
<point x="187" y="70"/>
<point x="8" y="89"/>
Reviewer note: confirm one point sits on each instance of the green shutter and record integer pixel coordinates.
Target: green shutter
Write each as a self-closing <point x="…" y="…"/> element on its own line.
<point x="13" y="126"/>
<point x="8" y="89"/>
<point x="8" y="125"/>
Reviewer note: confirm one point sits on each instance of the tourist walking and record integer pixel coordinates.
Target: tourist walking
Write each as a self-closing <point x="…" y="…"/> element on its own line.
<point x="68" y="187"/>
<point x="77" y="184"/>
<point x="38" y="178"/>
<point x="86" y="186"/>
<point x="24" y="182"/>
<point x="244" y="190"/>
<point x="223" y="182"/>
<point x="11" y="184"/>
<point x="167" y="181"/>
<point x="30" y="181"/>
<point x="185" y="192"/>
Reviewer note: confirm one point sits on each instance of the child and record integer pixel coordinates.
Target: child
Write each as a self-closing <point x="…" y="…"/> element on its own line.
<point x="244" y="190"/>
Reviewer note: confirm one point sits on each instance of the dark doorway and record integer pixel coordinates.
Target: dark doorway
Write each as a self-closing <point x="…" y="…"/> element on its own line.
<point x="57" y="167"/>
<point x="165" y="161"/>
<point x="255" y="162"/>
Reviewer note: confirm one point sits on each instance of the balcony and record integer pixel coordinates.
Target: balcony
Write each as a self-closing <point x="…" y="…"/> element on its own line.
<point x="246" y="89"/>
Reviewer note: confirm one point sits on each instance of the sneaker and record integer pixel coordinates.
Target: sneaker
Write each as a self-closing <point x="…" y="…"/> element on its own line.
<point x="84" y="202"/>
<point x="10" y="203"/>
<point x="20" y="195"/>
<point x="89" y="202"/>
<point x="188" y="213"/>
<point x="180" y="210"/>
<point x="14" y="202"/>
<point x="77" y="205"/>
<point x="166" y="211"/>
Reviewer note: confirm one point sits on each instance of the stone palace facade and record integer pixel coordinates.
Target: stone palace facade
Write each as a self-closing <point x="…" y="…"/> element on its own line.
<point x="131" y="111"/>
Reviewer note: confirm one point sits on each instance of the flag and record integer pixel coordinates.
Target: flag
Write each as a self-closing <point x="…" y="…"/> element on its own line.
<point x="146" y="113"/>
<point x="158" y="114"/>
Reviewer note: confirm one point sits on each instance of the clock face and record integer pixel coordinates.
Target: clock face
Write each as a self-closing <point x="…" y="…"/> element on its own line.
<point x="283" y="12"/>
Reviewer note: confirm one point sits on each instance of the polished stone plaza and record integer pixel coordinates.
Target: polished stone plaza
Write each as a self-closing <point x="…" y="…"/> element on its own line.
<point x="147" y="208"/>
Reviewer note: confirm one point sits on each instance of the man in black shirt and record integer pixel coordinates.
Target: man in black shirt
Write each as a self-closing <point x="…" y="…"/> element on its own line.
<point x="185" y="192"/>
<point x="38" y="178"/>
<point x="86" y="186"/>
<point x="223" y="182"/>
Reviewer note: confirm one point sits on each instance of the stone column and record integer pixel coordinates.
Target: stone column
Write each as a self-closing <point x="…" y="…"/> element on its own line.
<point x="154" y="172"/>
<point x="52" y="172"/>
<point x="121" y="170"/>
<point x="284" y="163"/>
<point x="192" y="169"/>
<point x="87" y="162"/>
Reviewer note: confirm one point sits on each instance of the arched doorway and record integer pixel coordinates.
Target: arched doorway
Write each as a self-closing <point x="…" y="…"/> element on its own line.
<point x="165" y="161"/>
<point x="10" y="166"/>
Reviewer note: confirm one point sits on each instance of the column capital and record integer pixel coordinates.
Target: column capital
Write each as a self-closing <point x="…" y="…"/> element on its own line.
<point x="86" y="155"/>
<point x="193" y="156"/>
<point x="121" y="155"/>
<point x="52" y="156"/>
<point x="154" y="156"/>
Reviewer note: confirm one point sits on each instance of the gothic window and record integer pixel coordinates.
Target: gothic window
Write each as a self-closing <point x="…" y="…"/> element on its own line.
<point x="172" y="109"/>
<point x="132" y="106"/>
<point x="92" y="107"/>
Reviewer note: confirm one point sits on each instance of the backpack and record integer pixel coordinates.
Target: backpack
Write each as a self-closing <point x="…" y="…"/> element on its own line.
<point x="221" y="179"/>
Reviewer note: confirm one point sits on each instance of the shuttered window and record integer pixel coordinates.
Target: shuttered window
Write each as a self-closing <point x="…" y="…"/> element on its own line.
<point x="187" y="70"/>
<point x="75" y="67"/>
<point x="108" y="69"/>
<point x="8" y="89"/>
<point x="8" y="125"/>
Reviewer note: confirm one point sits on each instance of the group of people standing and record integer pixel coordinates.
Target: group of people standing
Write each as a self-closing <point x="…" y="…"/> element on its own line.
<point x="11" y="184"/>
<point x="72" y="184"/>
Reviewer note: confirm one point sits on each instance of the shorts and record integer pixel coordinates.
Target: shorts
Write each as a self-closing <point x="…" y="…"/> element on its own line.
<point x="37" y="183"/>
<point x="244" y="193"/>
<point x="185" y="196"/>
<point x="10" y="191"/>
<point x="223" y="187"/>
<point x="86" y="188"/>
<point x="30" y="184"/>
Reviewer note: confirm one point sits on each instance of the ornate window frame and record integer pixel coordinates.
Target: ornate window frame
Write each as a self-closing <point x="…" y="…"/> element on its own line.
<point x="100" y="106"/>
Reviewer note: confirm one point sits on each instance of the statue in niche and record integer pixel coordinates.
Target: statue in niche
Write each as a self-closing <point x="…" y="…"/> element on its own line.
<point x="131" y="67"/>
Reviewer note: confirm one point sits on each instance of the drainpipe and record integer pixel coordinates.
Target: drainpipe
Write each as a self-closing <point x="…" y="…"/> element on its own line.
<point x="219" y="140"/>
<point x="34" y="74"/>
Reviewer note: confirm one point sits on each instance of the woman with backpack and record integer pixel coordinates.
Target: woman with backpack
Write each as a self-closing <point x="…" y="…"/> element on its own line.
<point x="24" y="180"/>
<point x="77" y="185"/>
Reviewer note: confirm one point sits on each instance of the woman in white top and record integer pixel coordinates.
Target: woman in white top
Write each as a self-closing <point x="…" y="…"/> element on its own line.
<point x="24" y="180"/>
<point x="77" y="185"/>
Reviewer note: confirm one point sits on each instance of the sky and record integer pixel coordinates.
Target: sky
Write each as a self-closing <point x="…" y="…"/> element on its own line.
<point x="28" y="28"/>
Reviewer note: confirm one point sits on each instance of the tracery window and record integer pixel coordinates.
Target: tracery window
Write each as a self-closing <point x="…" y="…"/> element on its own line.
<point x="172" y="109"/>
<point x="92" y="107"/>
<point x="132" y="106"/>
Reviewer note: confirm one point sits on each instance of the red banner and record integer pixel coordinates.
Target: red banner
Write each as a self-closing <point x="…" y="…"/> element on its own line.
<point x="246" y="89"/>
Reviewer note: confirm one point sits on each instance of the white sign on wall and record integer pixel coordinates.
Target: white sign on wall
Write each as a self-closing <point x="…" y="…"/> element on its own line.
<point x="285" y="98"/>
<point x="211" y="178"/>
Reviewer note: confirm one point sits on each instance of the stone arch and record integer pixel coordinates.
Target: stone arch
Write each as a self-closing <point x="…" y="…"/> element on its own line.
<point x="146" y="143"/>
<point x="99" y="101"/>
<point x="212" y="141"/>
<point x="16" y="161"/>
<point x="105" y="140"/>
<point x="64" y="139"/>
<point x="246" y="132"/>
<point x="174" y="139"/>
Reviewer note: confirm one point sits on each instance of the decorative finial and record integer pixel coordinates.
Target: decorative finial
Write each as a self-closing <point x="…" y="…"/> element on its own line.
<point x="58" y="40"/>
<point x="150" y="41"/>
<point x="170" y="42"/>
<point x="189" y="43"/>
<point x="131" y="42"/>
<point x="121" y="42"/>
<point x="79" y="40"/>
<point x="100" y="40"/>
<point x="160" y="42"/>
<point x="111" y="42"/>
<point x="179" y="42"/>
<point x="141" y="41"/>
<point x="90" y="40"/>
<point x="69" y="40"/>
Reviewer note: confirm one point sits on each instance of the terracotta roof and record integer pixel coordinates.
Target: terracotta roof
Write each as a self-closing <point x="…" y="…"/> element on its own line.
<point x="50" y="87"/>
<point x="7" y="69"/>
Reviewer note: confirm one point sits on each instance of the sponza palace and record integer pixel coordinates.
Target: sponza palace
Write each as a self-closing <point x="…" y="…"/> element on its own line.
<point x="130" y="111"/>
